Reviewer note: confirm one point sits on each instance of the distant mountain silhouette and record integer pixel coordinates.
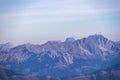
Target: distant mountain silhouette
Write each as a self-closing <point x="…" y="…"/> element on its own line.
<point x="61" y="59"/>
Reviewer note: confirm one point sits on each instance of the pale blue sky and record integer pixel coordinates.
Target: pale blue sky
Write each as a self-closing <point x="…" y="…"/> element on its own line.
<point x="38" y="21"/>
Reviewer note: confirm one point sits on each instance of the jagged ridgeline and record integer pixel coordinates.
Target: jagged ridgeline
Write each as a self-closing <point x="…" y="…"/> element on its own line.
<point x="61" y="59"/>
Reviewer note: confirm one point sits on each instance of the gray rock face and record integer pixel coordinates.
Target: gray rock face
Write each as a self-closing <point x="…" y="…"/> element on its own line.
<point x="69" y="58"/>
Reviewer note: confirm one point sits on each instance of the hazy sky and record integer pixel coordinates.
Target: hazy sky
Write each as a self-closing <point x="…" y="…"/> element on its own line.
<point x="38" y="21"/>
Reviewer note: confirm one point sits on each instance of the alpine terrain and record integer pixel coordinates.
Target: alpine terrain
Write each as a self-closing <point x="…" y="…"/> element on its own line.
<point x="91" y="58"/>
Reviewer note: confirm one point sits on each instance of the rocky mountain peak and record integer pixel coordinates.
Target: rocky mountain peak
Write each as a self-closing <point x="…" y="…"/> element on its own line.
<point x="62" y="58"/>
<point x="70" y="39"/>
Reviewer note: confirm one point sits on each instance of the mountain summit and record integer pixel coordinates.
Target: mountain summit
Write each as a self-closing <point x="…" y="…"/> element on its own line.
<point x="62" y="59"/>
<point x="70" y="39"/>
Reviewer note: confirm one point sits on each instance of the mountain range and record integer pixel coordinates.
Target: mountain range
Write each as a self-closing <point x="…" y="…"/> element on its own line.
<point x="62" y="60"/>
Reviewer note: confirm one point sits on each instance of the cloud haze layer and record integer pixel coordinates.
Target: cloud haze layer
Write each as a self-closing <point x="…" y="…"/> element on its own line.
<point x="38" y="21"/>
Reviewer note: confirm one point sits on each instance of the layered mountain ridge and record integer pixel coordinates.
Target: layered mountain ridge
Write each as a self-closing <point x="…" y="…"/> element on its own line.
<point x="62" y="59"/>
